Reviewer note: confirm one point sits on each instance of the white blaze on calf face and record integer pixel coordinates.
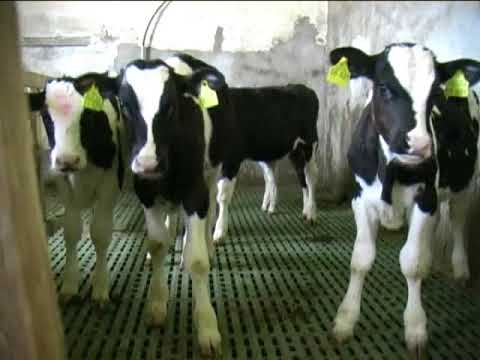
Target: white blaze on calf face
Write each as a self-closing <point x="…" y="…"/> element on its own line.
<point x="65" y="106"/>
<point x="414" y="67"/>
<point x="148" y="85"/>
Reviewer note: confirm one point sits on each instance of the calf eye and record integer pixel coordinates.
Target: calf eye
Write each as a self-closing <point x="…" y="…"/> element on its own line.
<point x="384" y="91"/>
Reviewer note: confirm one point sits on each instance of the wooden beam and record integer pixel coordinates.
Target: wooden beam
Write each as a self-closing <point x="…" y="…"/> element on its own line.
<point x="30" y="325"/>
<point x="60" y="41"/>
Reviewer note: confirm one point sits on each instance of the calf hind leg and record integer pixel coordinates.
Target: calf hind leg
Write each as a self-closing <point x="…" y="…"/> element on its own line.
<point x="226" y="188"/>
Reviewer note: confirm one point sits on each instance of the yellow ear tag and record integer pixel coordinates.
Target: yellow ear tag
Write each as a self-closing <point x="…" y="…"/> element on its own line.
<point x="339" y="74"/>
<point x="457" y="86"/>
<point x="208" y="98"/>
<point x="92" y="99"/>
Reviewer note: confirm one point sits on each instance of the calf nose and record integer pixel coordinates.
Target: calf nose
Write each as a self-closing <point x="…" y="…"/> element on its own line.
<point x="67" y="162"/>
<point x="146" y="163"/>
<point x="420" y="145"/>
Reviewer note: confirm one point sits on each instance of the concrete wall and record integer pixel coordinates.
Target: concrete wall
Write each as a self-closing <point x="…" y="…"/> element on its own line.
<point x="254" y="44"/>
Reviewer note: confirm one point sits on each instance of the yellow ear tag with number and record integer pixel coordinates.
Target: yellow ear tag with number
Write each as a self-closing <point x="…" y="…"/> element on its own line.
<point x="208" y="98"/>
<point x="92" y="99"/>
<point x="457" y="86"/>
<point x="339" y="74"/>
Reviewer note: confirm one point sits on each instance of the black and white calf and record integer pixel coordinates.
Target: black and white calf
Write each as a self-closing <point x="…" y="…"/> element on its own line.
<point x="175" y="163"/>
<point x="86" y="159"/>
<point x="411" y="149"/>
<point x="267" y="124"/>
<point x="271" y="122"/>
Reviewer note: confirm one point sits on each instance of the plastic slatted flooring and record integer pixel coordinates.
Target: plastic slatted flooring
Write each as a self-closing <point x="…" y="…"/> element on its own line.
<point x="275" y="284"/>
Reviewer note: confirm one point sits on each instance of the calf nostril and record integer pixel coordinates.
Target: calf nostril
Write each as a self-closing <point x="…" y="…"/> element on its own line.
<point x="146" y="163"/>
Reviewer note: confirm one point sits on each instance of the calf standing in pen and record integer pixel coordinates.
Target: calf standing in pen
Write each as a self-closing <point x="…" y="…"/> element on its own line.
<point x="84" y="129"/>
<point x="271" y="122"/>
<point x="268" y="123"/>
<point x="177" y="147"/>
<point x="411" y="149"/>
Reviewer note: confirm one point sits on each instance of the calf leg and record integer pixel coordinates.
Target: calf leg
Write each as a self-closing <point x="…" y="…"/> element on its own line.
<point x="458" y="217"/>
<point x="363" y="256"/>
<point x="270" y="195"/>
<point x="72" y="230"/>
<point x="198" y="265"/>
<point x="158" y="243"/>
<point x="224" y="197"/>
<point x="101" y="233"/>
<point x="415" y="260"/>
<point x="311" y="173"/>
<point x="297" y="158"/>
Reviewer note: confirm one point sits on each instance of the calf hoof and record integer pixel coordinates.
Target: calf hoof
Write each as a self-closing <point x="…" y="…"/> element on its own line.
<point x="210" y="343"/>
<point x="68" y="298"/>
<point x="416" y="340"/>
<point x="156" y="313"/>
<point x="271" y="211"/>
<point x="342" y="332"/>
<point x="418" y="352"/>
<point x="101" y="298"/>
<point x="68" y="293"/>
<point x="218" y="238"/>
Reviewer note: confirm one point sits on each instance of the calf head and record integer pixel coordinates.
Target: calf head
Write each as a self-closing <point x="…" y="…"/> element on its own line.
<point x="405" y="76"/>
<point x="75" y="133"/>
<point x="150" y="93"/>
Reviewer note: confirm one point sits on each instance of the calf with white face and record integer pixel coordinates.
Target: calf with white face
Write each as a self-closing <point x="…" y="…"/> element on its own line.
<point x="84" y="129"/>
<point x="401" y="154"/>
<point x="175" y="169"/>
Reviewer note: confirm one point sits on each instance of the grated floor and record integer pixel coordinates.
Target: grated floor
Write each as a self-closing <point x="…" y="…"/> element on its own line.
<point x="275" y="285"/>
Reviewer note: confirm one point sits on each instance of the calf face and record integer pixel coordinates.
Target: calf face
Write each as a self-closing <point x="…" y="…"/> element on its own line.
<point x="77" y="134"/>
<point x="150" y="93"/>
<point x="404" y="77"/>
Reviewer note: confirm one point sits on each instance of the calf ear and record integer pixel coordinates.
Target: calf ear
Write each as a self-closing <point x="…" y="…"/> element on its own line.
<point x="470" y="68"/>
<point x="212" y="76"/>
<point x="359" y="63"/>
<point x="36" y="101"/>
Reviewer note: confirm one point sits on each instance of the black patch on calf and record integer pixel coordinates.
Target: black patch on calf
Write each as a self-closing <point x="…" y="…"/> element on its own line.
<point x="267" y="123"/>
<point x="363" y="151"/>
<point x="96" y="138"/>
<point x="426" y="199"/>
<point x="456" y="134"/>
<point x="49" y="127"/>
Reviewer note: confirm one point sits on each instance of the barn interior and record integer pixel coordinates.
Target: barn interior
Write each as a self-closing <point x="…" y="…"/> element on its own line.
<point x="276" y="281"/>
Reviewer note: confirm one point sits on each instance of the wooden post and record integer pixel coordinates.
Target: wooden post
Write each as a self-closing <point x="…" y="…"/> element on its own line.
<point x="30" y="323"/>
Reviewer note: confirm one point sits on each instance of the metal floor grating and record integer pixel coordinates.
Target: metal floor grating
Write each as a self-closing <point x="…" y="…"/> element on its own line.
<point x="275" y="284"/>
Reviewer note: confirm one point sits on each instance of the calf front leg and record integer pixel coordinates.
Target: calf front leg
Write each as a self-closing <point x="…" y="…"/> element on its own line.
<point x="72" y="231"/>
<point x="158" y="242"/>
<point x="224" y="197"/>
<point x="270" y="195"/>
<point x="198" y="265"/>
<point x="363" y="256"/>
<point x="101" y="233"/>
<point x="415" y="261"/>
<point x="458" y="216"/>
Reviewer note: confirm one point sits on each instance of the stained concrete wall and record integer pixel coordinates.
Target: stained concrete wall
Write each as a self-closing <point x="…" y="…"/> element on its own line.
<point x="256" y="44"/>
<point x="252" y="45"/>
